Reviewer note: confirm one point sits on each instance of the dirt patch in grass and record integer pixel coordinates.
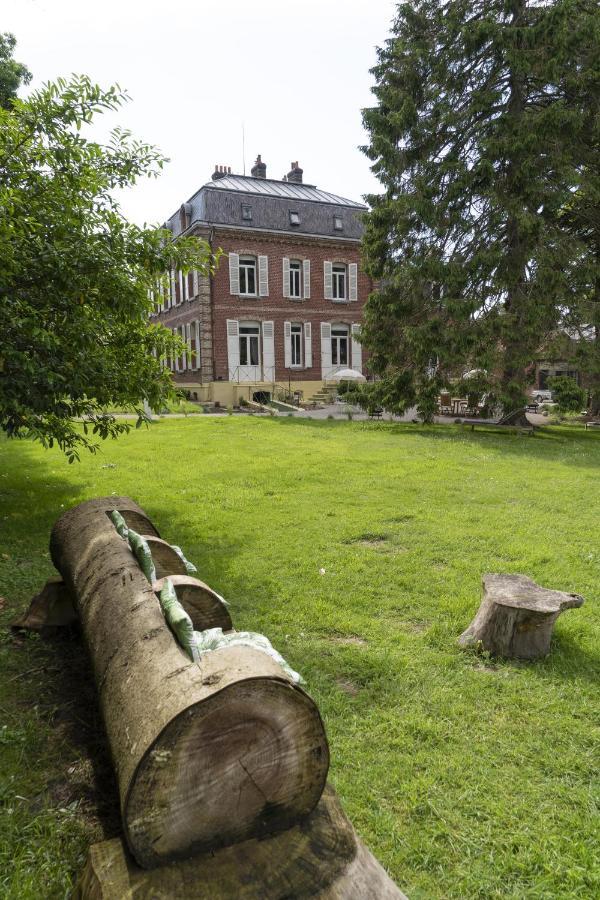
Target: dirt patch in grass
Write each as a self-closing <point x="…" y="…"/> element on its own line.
<point x="347" y="686"/>
<point x="369" y="539"/>
<point x="347" y="640"/>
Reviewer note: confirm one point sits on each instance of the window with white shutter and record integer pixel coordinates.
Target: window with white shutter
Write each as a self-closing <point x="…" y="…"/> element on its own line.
<point x="307" y="345"/>
<point x="268" y="335"/>
<point x="263" y="276"/>
<point x="356" y="348"/>
<point x="286" y="277"/>
<point x="234" y="273"/>
<point x="287" y="344"/>
<point x="171" y="288"/>
<point x="353" y="281"/>
<point x="306" y="278"/>
<point x="233" y="347"/>
<point x="326" y="367"/>
<point x="195" y="283"/>
<point x="328" y="280"/>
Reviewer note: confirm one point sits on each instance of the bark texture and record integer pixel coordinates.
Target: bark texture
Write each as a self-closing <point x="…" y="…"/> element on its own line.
<point x="320" y="857"/>
<point x="516" y="617"/>
<point x="205" y="754"/>
<point x="203" y="605"/>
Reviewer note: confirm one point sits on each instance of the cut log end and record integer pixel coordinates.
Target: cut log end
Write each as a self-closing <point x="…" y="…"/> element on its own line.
<point x="251" y="760"/>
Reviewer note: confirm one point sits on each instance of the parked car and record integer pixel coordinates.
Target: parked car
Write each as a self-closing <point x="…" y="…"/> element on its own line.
<point x="541" y="396"/>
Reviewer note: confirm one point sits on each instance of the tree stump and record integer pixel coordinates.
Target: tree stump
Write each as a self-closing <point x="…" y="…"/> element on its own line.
<point x="320" y="858"/>
<point x="203" y="605"/>
<point x="206" y="754"/>
<point x="516" y="617"/>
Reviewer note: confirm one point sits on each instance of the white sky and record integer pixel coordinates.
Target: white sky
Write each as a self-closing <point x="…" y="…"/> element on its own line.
<point x="296" y="73"/>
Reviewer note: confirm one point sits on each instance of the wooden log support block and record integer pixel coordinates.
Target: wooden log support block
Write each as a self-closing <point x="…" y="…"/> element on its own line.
<point x="516" y="617"/>
<point x="206" y="754"/>
<point x="52" y="607"/>
<point x="166" y="560"/>
<point x="203" y="605"/>
<point x="320" y="857"/>
<point x="138" y="521"/>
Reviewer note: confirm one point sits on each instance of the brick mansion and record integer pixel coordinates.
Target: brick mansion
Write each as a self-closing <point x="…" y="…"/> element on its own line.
<point x="284" y="307"/>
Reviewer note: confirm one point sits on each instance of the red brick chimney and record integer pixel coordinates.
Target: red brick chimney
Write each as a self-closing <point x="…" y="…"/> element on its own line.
<point x="259" y="169"/>
<point x="295" y="173"/>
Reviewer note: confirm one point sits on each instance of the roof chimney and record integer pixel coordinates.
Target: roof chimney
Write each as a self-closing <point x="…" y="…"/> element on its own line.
<point x="221" y="172"/>
<point x="295" y="173"/>
<point x="259" y="169"/>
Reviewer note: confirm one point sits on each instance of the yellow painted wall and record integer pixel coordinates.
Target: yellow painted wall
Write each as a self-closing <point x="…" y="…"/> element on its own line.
<point x="228" y="393"/>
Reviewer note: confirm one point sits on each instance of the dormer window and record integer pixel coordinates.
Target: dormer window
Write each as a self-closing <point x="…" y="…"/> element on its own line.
<point x="246" y="212"/>
<point x="294" y="218"/>
<point x="338" y="225"/>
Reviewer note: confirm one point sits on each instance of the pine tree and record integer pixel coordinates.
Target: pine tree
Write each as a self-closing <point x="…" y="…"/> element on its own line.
<point x="581" y="216"/>
<point x="473" y="139"/>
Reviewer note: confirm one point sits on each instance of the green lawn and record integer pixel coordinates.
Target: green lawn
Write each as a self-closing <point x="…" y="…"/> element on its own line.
<point x="467" y="778"/>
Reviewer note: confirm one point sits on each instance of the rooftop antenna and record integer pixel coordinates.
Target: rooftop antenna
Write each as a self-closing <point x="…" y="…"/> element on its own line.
<point x="243" y="148"/>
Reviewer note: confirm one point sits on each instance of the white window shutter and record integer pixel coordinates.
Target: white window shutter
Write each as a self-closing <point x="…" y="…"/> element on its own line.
<point x="185" y="335"/>
<point x="234" y="275"/>
<point x="182" y="287"/>
<point x="198" y="358"/>
<point x="286" y="277"/>
<point x="328" y="280"/>
<point x="184" y="354"/>
<point x="172" y="296"/>
<point x="307" y="345"/>
<point x="268" y="334"/>
<point x="287" y="337"/>
<point x="233" y="346"/>
<point x="306" y="278"/>
<point x="353" y="280"/>
<point x="195" y="282"/>
<point x="326" y="367"/>
<point x="356" y="348"/>
<point x="263" y="276"/>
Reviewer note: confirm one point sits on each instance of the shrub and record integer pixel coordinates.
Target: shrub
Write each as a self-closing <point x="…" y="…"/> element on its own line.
<point x="569" y="397"/>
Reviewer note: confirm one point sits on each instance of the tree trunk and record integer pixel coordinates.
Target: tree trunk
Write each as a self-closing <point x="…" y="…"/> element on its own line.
<point x="206" y="754"/>
<point x="516" y="617"/>
<point x="319" y="858"/>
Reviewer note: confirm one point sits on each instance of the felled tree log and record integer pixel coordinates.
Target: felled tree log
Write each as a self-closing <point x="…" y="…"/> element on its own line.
<point x="203" y="605"/>
<point x="516" y="617"/>
<point x="320" y="857"/>
<point x="205" y="754"/>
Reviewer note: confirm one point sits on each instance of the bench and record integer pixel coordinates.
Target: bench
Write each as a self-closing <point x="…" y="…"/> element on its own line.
<point x="515" y="421"/>
<point x="592" y="425"/>
<point x="376" y="413"/>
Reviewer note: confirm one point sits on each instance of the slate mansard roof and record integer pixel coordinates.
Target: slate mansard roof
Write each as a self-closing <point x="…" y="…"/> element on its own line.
<point x="219" y="202"/>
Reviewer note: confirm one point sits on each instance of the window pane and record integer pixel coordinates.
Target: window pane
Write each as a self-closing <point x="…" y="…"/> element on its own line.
<point x="243" y="351"/>
<point x="334" y="352"/>
<point x="253" y="350"/>
<point x="344" y="351"/>
<point x="251" y="280"/>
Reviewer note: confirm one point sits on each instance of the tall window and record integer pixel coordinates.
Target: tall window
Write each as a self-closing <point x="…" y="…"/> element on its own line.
<point x="295" y="278"/>
<point x="339" y="281"/>
<point x="296" y="344"/>
<point x="249" y="345"/>
<point x="339" y="345"/>
<point x="248" y="275"/>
